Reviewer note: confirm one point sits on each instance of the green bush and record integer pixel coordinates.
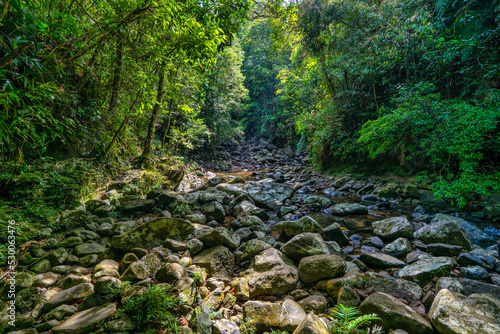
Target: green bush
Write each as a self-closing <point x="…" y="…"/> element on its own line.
<point x="154" y="311"/>
<point x="452" y="137"/>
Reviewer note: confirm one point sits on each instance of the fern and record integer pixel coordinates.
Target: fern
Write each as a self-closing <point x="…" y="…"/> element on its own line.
<point x="347" y="320"/>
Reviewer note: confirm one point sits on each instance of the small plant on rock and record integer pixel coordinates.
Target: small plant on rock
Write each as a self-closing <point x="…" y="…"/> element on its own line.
<point x="154" y="311"/>
<point x="348" y="320"/>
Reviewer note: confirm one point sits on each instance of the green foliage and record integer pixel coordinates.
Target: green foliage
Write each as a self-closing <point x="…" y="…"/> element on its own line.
<point x="452" y="136"/>
<point x="154" y="311"/>
<point x="348" y="320"/>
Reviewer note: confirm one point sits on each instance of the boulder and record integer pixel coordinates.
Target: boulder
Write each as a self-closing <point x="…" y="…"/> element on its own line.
<point x="345" y="209"/>
<point x="146" y="267"/>
<point x="423" y="271"/>
<point x="305" y="244"/>
<point x="312" y="324"/>
<point x="453" y="313"/>
<point x="218" y="261"/>
<point x="254" y="247"/>
<point x="290" y="229"/>
<point x="395" y="314"/>
<point x="153" y="233"/>
<point x="87" y="249"/>
<point x="398" y="248"/>
<point x="213" y="195"/>
<point x="220" y="236"/>
<point x="271" y="273"/>
<point x="68" y="296"/>
<point x="334" y="233"/>
<point x="380" y="260"/>
<point x="396" y="287"/>
<point x="269" y="194"/>
<point x="214" y="209"/>
<point x="85" y="321"/>
<point x="138" y="205"/>
<point x="261" y="316"/>
<point x="316" y="201"/>
<point x="291" y="315"/>
<point x="443" y="229"/>
<point x="319" y="267"/>
<point x="393" y="228"/>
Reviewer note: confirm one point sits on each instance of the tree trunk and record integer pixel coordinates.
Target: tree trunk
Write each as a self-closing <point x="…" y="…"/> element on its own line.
<point x="124" y="123"/>
<point x="154" y="116"/>
<point x="167" y="129"/>
<point x="115" y="87"/>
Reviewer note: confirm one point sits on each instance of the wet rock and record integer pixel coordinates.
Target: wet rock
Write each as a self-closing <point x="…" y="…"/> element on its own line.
<point x="395" y="314"/>
<point x="85" y="321"/>
<point x="142" y="269"/>
<point x="393" y="228"/>
<point x="312" y="324"/>
<point x="23" y="281"/>
<point x="319" y="267"/>
<point x="220" y="236"/>
<point x="106" y="284"/>
<point x="443" y="229"/>
<point x="398" y="248"/>
<point x="334" y="233"/>
<point x="72" y="280"/>
<point x="292" y="228"/>
<point x="315" y="303"/>
<point x="305" y="244"/>
<point x="218" y="261"/>
<point x="254" y="247"/>
<point x="231" y="189"/>
<point x="381" y="260"/>
<point x="473" y="286"/>
<point x="126" y="261"/>
<point x="475" y="272"/>
<point x="317" y="201"/>
<point x="46" y="280"/>
<point x="254" y="223"/>
<point x="398" y="288"/>
<point x="41" y="266"/>
<point x="423" y="271"/>
<point x="348" y="297"/>
<point x="387" y="191"/>
<point x="224" y="326"/>
<point x="454" y="313"/>
<point x="269" y="194"/>
<point x="271" y="274"/>
<point x="195" y="246"/>
<point x="417" y="255"/>
<point x="87" y="249"/>
<point x="245" y="208"/>
<point x="440" y="249"/>
<point x="450" y="283"/>
<point x="153" y="233"/>
<point x="138" y="205"/>
<point x="474" y="259"/>
<point x="291" y="315"/>
<point x="215" y="210"/>
<point x="58" y="256"/>
<point x="171" y="273"/>
<point x="165" y="199"/>
<point x="68" y="296"/>
<point x="261" y="316"/>
<point x="344" y="209"/>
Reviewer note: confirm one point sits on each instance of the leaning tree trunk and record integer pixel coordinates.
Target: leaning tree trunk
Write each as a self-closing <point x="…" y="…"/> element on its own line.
<point x="115" y="86"/>
<point x="154" y="116"/>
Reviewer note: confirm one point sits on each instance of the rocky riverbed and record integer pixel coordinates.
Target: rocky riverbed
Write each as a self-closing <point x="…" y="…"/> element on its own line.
<point x="265" y="243"/>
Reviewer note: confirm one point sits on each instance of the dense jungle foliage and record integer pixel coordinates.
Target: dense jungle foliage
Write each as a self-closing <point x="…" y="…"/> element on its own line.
<point x="411" y="84"/>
